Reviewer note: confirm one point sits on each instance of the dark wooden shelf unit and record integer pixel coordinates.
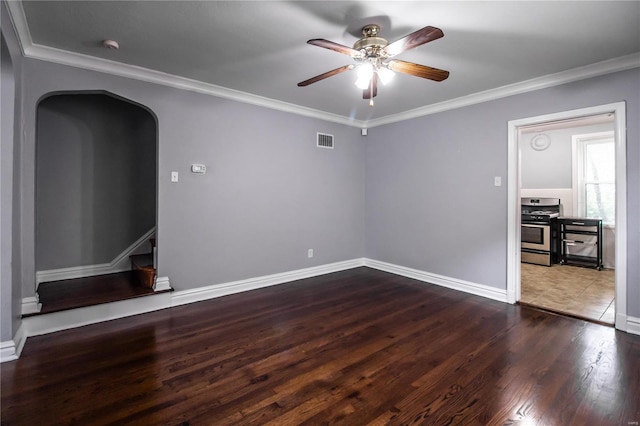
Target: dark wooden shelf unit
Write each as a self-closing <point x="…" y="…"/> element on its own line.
<point x="584" y="232"/>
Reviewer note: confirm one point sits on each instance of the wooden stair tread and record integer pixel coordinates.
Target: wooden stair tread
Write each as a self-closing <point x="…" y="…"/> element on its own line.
<point x="89" y="291"/>
<point x="142" y="265"/>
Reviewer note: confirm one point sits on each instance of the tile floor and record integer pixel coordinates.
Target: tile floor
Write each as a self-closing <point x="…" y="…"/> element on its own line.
<point x="583" y="292"/>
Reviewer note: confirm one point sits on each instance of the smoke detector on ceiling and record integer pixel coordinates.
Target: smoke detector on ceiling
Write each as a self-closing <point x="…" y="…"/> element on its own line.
<point x="111" y="44"/>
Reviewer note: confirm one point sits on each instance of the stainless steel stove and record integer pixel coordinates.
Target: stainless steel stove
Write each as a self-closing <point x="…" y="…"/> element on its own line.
<point x="539" y="230"/>
<point x="539" y="209"/>
<point x="539" y="216"/>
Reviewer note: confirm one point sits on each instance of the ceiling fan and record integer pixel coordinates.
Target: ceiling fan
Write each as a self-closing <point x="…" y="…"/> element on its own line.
<point x="373" y="54"/>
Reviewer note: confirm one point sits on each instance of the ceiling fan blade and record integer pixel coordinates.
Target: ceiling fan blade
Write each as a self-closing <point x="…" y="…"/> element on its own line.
<point x="417" y="70"/>
<point x="325" y="75"/>
<point x="371" y="91"/>
<point x="340" y="48"/>
<point x="414" y="39"/>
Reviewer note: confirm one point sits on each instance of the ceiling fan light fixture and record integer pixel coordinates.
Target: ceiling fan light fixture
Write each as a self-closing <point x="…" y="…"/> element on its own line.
<point x="364" y="72"/>
<point x="362" y="83"/>
<point x="385" y="74"/>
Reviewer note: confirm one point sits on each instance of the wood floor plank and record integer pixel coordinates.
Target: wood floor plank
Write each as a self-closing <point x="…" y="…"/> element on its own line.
<point x="395" y="366"/>
<point x="317" y="353"/>
<point x="355" y="347"/>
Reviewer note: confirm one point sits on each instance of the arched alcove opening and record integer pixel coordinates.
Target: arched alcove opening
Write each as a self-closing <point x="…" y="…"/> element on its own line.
<point x="96" y="177"/>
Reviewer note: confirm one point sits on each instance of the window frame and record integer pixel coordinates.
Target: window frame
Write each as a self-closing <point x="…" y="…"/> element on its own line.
<point x="579" y="144"/>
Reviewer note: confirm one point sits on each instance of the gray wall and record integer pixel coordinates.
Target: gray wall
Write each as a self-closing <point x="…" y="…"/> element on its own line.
<point x="268" y="195"/>
<point x="7" y="90"/>
<point x="95" y="179"/>
<point x="10" y="183"/>
<point x="426" y="178"/>
<point x="552" y="167"/>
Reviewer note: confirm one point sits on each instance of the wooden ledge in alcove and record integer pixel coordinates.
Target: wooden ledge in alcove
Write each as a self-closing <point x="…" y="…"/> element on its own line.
<point x="75" y="293"/>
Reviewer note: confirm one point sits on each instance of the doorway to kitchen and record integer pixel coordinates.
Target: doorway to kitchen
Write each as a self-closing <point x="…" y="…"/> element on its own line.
<point x="587" y="275"/>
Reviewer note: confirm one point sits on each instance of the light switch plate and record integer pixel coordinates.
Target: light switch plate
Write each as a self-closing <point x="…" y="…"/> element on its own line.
<point x="174" y="176"/>
<point x="497" y="181"/>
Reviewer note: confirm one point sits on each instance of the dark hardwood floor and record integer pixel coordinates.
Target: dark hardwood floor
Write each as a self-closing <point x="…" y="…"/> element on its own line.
<point x="79" y="292"/>
<point x="355" y="347"/>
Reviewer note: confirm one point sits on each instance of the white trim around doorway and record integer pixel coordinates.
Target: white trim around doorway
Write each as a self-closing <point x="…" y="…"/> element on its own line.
<point x="513" y="201"/>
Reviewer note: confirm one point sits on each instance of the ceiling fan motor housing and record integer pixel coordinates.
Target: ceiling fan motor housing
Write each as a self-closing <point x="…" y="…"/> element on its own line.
<point x="371" y="44"/>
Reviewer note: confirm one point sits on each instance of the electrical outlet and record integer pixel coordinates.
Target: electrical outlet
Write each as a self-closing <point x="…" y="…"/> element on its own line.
<point x="310" y="253"/>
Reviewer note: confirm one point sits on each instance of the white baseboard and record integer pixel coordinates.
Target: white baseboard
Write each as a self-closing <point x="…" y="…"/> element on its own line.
<point x="8" y="351"/>
<point x="218" y="290"/>
<point x="162" y="284"/>
<point x="633" y="325"/>
<point x="78" y="272"/>
<point x="72" y="318"/>
<point x="448" y="282"/>
<point x="43" y="324"/>
<point x="64" y="320"/>
<point x="122" y="260"/>
<point x="120" y="264"/>
<point x="20" y="339"/>
<point x="31" y="305"/>
<point x="83" y="316"/>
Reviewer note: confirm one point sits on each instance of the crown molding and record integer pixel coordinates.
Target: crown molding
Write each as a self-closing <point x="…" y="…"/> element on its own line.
<point x="36" y="51"/>
<point x="593" y="70"/>
<point x="77" y="60"/>
<point x="63" y="57"/>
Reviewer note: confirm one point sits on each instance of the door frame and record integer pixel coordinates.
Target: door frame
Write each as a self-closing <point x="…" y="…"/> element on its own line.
<point x="513" y="200"/>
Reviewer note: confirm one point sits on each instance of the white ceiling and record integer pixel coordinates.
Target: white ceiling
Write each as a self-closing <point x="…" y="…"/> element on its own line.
<point x="256" y="51"/>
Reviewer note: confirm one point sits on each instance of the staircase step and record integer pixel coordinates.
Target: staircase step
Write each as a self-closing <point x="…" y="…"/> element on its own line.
<point x="142" y="265"/>
<point x="89" y="291"/>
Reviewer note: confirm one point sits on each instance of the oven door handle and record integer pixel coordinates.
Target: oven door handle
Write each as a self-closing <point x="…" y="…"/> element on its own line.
<point x="574" y="242"/>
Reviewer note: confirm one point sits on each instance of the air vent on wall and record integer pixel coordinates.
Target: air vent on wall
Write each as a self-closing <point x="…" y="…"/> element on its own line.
<point x="325" y="141"/>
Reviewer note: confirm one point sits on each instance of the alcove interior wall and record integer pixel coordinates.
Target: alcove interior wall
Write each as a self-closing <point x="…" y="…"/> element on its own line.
<point x="96" y="166"/>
